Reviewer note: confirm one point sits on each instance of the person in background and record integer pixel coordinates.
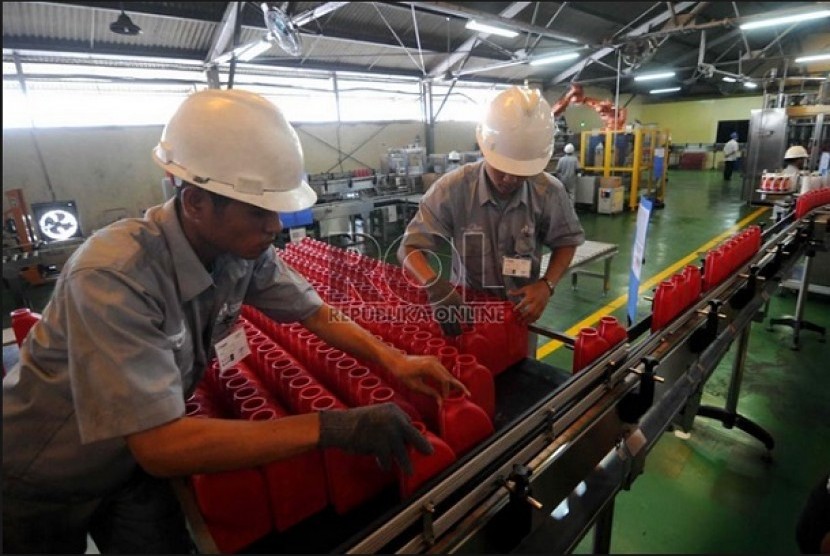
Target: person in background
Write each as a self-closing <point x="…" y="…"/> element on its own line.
<point x="794" y="159"/>
<point x="94" y="414"/>
<point x="731" y="152"/>
<point x="496" y="215"/>
<point x="566" y="170"/>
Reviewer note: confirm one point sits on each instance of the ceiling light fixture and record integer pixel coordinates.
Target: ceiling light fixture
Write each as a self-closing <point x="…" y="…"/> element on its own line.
<point x="124" y="25"/>
<point x="730" y="80"/>
<point x="553" y="59"/>
<point x="484" y="28"/>
<point x="661" y="91"/>
<point x="652" y="76"/>
<point x="812" y="58"/>
<point x="750" y="85"/>
<point x="795" y="18"/>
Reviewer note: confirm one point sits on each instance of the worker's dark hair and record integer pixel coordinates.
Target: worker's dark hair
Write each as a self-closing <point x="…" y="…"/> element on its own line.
<point x="218" y="201"/>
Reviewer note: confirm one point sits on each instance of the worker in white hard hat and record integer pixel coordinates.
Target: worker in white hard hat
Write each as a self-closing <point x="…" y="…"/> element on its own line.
<point x="496" y="215"/>
<point x="94" y="415"/>
<point x="794" y="160"/>
<point x="567" y="168"/>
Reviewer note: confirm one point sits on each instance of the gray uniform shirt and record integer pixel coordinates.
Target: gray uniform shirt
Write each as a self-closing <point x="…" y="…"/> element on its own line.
<point x="459" y="209"/>
<point x="123" y="341"/>
<point x="566" y="170"/>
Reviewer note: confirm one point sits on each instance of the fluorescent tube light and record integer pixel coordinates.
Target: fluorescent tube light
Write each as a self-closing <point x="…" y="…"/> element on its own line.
<point x="813" y="58"/>
<point x="484" y="28"/>
<point x="554" y="58"/>
<point x="796" y="18"/>
<point x="660" y="91"/>
<point x="730" y="79"/>
<point x="750" y="85"/>
<point x="651" y="76"/>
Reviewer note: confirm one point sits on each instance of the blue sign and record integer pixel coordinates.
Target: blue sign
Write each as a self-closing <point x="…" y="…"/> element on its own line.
<point x="643" y="217"/>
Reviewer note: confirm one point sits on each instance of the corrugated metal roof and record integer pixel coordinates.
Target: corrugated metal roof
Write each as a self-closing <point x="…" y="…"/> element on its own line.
<point x="367" y="36"/>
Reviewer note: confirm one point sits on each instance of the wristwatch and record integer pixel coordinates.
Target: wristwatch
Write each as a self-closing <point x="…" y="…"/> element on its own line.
<point x="551" y="285"/>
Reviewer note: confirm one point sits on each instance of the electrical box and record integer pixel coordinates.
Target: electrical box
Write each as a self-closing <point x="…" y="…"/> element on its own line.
<point x="586" y="191"/>
<point x="610" y="200"/>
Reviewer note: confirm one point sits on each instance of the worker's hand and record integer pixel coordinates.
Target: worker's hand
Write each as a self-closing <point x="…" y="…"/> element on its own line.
<point x="426" y="374"/>
<point x="534" y="299"/>
<point x="382" y="430"/>
<point x="446" y="304"/>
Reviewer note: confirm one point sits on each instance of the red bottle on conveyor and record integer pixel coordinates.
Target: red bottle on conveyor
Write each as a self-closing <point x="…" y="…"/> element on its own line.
<point x="612" y="331"/>
<point x="297" y="486"/>
<point x="663" y="305"/>
<point x="22" y="321"/>
<point x="462" y="424"/>
<point x="713" y="269"/>
<point x="424" y="466"/>
<point x="691" y="275"/>
<point x="588" y="347"/>
<point x="234" y="504"/>
<point x="479" y="381"/>
<point x="352" y="479"/>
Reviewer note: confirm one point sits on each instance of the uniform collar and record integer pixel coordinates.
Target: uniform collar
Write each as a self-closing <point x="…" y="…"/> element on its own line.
<point x="484" y="195"/>
<point x="191" y="275"/>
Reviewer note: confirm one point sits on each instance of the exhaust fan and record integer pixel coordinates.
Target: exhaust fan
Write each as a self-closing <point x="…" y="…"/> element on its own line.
<point x="124" y="25"/>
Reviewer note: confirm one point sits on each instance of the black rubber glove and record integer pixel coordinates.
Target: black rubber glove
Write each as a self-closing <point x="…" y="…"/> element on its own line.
<point x="383" y="430"/>
<point x="445" y="302"/>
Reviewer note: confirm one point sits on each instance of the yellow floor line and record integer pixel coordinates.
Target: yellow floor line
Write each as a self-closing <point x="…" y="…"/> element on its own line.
<point x="594" y="317"/>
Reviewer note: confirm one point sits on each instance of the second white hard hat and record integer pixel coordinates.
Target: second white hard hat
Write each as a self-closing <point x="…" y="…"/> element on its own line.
<point x="517" y="131"/>
<point x="237" y="144"/>
<point x="569" y="149"/>
<point x="796" y="152"/>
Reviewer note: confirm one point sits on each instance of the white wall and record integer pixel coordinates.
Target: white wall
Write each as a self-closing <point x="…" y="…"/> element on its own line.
<point x="109" y="172"/>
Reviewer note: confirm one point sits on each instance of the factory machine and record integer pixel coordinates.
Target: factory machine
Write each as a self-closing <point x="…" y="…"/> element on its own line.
<point x="565" y="444"/>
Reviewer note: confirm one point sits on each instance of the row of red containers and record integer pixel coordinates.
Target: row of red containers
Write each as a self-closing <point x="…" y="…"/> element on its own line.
<point x="810" y="200"/>
<point x="676" y="294"/>
<point x="242" y="506"/>
<point x="385" y="297"/>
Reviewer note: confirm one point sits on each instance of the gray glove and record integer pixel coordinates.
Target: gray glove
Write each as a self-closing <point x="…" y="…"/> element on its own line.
<point x="383" y="430"/>
<point x="445" y="302"/>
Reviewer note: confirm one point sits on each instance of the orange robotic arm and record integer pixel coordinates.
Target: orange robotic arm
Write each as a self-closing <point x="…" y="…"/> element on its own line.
<point x="614" y="119"/>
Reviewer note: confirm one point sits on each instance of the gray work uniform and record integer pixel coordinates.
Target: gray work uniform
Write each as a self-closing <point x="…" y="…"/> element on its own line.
<point x="460" y="208"/>
<point x="566" y="170"/>
<point x="122" y="343"/>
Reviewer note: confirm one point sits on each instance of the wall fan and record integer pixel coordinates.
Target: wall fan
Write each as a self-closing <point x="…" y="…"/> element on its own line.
<point x="281" y="31"/>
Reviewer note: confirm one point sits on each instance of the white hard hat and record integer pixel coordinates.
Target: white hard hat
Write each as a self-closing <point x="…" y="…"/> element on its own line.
<point x="796" y="152"/>
<point x="569" y="149"/>
<point x="454" y="155"/>
<point x="239" y="145"/>
<point x="516" y="134"/>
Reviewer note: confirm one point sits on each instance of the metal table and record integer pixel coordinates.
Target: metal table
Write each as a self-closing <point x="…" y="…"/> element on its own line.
<point x="589" y="252"/>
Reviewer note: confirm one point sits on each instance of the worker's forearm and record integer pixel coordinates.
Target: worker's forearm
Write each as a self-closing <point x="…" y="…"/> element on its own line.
<point x="416" y="263"/>
<point x="197" y="445"/>
<point x="338" y="331"/>
<point x="560" y="259"/>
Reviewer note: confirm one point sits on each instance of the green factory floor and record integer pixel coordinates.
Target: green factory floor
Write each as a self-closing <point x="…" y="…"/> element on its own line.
<point x="710" y="491"/>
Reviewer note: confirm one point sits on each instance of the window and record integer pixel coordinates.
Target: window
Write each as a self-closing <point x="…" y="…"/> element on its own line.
<point x="140" y="92"/>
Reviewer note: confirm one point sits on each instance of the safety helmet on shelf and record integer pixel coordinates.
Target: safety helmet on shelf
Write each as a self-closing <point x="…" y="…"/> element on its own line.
<point x="517" y="131"/>
<point x="237" y="144"/>
<point x="454" y="156"/>
<point x="569" y="149"/>
<point x="796" y="152"/>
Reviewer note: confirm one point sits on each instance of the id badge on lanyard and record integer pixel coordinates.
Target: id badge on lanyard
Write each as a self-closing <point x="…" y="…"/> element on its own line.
<point x="232" y="349"/>
<point x="516" y="266"/>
